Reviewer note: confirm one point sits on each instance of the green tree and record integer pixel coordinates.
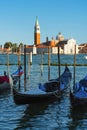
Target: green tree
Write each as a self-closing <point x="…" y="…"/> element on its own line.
<point x="14" y="47"/>
<point x="8" y="45"/>
<point x="21" y="44"/>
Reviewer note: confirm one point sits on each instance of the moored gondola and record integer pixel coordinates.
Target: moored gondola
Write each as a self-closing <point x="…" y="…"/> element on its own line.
<point x="48" y="91"/>
<point x="5" y="79"/>
<point x="78" y="96"/>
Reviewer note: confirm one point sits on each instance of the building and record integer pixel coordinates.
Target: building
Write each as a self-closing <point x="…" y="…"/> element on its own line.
<point x="66" y="46"/>
<point x="5" y="50"/>
<point x="82" y="48"/>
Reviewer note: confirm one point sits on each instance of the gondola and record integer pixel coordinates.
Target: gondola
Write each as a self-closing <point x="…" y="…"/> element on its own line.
<point x="48" y="91"/>
<point x="5" y="79"/>
<point x="78" y="95"/>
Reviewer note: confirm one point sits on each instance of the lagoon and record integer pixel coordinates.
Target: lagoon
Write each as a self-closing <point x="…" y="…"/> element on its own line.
<point x="54" y="116"/>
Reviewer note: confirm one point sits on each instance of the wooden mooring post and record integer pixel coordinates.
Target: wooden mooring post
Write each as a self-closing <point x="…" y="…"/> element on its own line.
<point x="49" y="63"/>
<point x="74" y="66"/>
<point x="41" y="66"/>
<point x="59" y="62"/>
<point x="29" y="63"/>
<point x="8" y="64"/>
<point x="19" y="63"/>
<point x="24" y="67"/>
<point x="30" y="58"/>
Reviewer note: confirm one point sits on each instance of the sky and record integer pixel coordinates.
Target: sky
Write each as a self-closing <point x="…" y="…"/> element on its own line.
<point x="17" y="20"/>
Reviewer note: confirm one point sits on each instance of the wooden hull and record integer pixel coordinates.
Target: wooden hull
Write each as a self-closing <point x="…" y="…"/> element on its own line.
<point x="25" y="98"/>
<point x="20" y="98"/>
<point x="4" y="86"/>
<point x="78" y="96"/>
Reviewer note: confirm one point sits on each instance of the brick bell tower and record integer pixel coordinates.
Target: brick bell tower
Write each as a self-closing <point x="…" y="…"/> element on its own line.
<point x="37" y="33"/>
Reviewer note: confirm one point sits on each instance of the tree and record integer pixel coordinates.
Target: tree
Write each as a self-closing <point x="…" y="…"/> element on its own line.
<point x="8" y="45"/>
<point x="14" y="47"/>
<point x="21" y="44"/>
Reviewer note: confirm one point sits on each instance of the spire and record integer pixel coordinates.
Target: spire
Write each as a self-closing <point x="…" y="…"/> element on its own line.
<point x="36" y="32"/>
<point x="36" y="23"/>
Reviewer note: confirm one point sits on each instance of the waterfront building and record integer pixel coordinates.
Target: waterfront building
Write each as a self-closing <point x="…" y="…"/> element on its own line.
<point x="66" y="46"/>
<point x="30" y="48"/>
<point x="83" y="48"/>
<point x="5" y="50"/>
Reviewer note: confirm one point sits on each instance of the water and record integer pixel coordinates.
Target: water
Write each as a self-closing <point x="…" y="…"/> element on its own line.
<point x="54" y="116"/>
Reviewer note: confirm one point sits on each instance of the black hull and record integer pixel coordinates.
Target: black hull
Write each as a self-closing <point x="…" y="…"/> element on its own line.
<point x="7" y="86"/>
<point x="77" y="102"/>
<point x="20" y="98"/>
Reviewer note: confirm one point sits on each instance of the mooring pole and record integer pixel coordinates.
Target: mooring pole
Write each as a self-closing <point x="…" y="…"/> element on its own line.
<point x="28" y="65"/>
<point x="41" y="67"/>
<point x="7" y="63"/>
<point x="19" y="64"/>
<point x="30" y="58"/>
<point x="24" y="67"/>
<point x="74" y="65"/>
<point x="59" y="62"/>
<point x="59" y="66"/>
<point x="49" y="63"/>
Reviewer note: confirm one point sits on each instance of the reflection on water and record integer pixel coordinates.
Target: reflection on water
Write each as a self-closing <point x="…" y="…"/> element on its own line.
<point x="37" y="115"/>
<point x="45" y="116"/>
<point x="30" y="114"/>
<point x="78" y="118"/>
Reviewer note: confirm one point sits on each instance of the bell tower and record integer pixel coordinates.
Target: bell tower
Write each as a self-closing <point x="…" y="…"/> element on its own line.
<point x="37" y="33"/>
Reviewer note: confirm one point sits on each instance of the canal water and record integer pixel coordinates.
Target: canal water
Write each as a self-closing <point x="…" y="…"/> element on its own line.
<point x="57" y="115"/>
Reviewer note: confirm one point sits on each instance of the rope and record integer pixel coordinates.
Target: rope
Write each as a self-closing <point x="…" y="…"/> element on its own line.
<point x="56" y="95"/>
